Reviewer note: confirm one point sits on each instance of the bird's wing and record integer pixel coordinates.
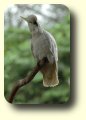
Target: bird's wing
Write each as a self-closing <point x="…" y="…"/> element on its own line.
<point x="52" y="47"/>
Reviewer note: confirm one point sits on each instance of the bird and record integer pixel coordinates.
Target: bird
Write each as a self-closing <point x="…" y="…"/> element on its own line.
<point x="43" y="45"/>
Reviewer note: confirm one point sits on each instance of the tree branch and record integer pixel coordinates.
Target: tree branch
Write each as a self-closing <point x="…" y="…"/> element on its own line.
<point x="27" y="79"/>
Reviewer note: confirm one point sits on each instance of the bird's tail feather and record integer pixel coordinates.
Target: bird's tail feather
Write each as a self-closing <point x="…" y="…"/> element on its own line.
<point x="50" y="77"/>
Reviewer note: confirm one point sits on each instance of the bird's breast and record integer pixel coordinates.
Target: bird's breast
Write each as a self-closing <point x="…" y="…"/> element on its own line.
<point x="40" y="47"/>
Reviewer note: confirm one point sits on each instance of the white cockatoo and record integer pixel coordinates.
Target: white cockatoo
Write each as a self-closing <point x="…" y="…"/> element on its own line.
<point x="43" y="45"/>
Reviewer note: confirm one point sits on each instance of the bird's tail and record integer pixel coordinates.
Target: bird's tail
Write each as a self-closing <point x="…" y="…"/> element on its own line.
<point x="50" y="76"/>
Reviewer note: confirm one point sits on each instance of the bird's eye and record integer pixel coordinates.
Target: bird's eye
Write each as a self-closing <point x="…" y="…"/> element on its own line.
<point x="30" y="22"/>
<point x="35" y="23"/>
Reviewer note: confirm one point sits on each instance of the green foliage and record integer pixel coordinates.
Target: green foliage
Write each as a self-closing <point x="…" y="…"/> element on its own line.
<point x="19" y="61"/>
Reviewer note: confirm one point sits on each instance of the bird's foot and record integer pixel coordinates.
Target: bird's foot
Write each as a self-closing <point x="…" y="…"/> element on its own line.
<point x="42" y="62"/>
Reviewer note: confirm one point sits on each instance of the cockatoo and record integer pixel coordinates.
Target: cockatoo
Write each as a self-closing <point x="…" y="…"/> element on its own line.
<point x="43" y="45"/>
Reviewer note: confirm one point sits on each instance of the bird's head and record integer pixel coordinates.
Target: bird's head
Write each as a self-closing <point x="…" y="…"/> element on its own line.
<point x="32" y="22"/>
<point x="31" y="19"/>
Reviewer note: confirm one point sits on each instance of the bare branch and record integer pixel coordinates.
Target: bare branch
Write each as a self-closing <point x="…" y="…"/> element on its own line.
<point x="27" y="79"/>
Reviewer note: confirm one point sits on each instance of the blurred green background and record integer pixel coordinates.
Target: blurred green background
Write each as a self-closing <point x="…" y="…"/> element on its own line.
<point x="19" y="59"/>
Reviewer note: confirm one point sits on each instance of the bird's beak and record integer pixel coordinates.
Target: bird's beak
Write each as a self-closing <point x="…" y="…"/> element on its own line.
<point x="24" y="18"/>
